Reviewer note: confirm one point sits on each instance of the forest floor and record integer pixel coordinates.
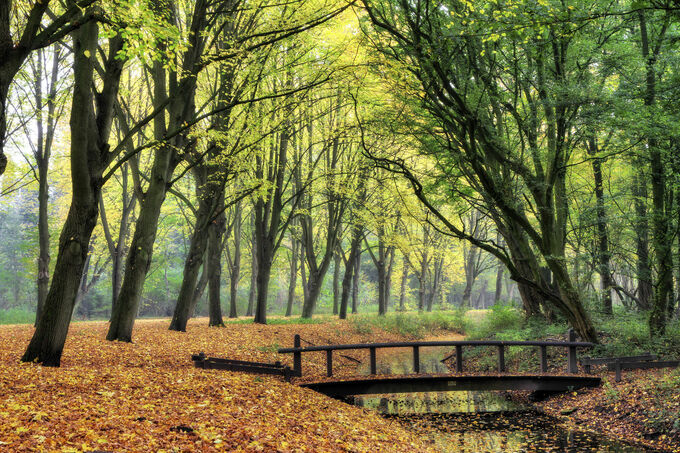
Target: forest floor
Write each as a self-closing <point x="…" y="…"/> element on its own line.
<point x="642" y="409"/>
<point x="147" y="396"/>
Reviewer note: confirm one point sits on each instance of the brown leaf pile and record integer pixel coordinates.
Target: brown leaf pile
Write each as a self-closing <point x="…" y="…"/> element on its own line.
<point x="147" y="396"/>
<point x="640" y="409"/>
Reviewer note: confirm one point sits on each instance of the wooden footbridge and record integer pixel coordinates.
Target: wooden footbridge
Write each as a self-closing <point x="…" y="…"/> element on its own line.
<point x="418" y="382"/>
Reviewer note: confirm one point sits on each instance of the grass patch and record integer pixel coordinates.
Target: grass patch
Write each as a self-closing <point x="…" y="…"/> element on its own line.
<point x="274" y="347"/>
<point x="17" y="316"/>
<point x="411" y="324"/>
<point x="500" y="318"/>
<point x="281" y="321"/>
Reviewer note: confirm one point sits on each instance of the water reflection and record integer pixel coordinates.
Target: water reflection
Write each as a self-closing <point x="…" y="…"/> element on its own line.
<point x="473" y="421"/>
<point x="507" y="432"/>
<point x="438" y="403"/>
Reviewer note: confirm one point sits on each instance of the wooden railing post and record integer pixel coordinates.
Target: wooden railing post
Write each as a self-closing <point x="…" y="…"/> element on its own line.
<point x="586" y="364"/>
<point x="571" y="353"/>
<point x="459" y="358"/>
<point x="297" y="357"/>
<point x="618" y="370"/>
<point x="416" y="359"/>
<point x="329" y="362"/>
<point x="543" y="352"/>
<point x="501" y="358"/>
<point x="374" y="367"/>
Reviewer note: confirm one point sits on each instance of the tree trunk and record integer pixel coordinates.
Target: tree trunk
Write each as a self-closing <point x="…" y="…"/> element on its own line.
<point x="43" y="240"/>
<point x="604" y="270"/>
<point x="44" y="150"/>
<point x="292" y="280"/>
<point x="315" y="282"/>
<point x="643" y="269"/>
<point x="381" y="287"/>
<point x="347" y="279"/>
<point x="89" y="130"/>
<point x="141" y="248"/>
<point x="235" y="266"/>
<point x="526" y="264"/>
<point x="336" y="282"/>
<point x="388" y="276"/>
<point x="252" y="291"/>
<point x="216" y="230"/>
<point x="355" y="282"/>
<point x="181" y="108"/>
<point x="402" y="287"/>
<point x="264" y="269"/>
<point x="499" y="283"/>
<point x="662" y="243"/>
<point x="569" y="302"/>
<point x="184" y="307"/>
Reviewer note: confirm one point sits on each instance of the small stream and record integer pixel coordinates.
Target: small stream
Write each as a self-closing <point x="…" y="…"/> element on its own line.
<point x="473" y="421"/>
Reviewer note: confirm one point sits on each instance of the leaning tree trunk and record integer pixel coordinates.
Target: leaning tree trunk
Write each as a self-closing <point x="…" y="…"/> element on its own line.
<point x="314" y="282"/>
<point x="346" y="288"/>
<point x="181" y="108"/>
<point x="569" y="302"/>
<point x="184" y="306"/>
<point x="526" y="264"/>
<point x="141" y="249"/>
<point x="88" y="161"/>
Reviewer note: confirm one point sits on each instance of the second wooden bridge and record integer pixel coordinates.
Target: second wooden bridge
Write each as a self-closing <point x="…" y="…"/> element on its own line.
<point x="542" y="382"/>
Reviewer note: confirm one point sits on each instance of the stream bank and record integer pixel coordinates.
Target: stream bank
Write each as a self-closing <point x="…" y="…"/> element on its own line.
<point x="481" y="421"/>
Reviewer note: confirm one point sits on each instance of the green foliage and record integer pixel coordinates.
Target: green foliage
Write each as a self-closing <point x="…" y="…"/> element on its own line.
<point x="414" y="325"/>
<point x="17" y="316"/>
<point x="627" y="333"/>
<point x="499" y="319"/>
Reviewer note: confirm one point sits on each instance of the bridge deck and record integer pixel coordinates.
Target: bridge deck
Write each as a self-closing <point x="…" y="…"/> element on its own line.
<point x="412" y="384"/>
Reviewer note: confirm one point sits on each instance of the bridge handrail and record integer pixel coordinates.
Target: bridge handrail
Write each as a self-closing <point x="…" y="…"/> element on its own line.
<point x="571" y="346"/>
<point x="407" y="344"/>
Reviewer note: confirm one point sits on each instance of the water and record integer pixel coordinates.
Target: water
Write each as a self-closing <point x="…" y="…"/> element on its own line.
<point x="506" y="432"/>
<point x="476" y="422"/>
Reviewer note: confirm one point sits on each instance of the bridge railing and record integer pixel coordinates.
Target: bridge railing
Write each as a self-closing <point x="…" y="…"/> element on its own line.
<point x="570" y="345"/>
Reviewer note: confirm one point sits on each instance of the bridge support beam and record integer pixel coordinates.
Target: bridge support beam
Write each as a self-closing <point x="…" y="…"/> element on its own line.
<point x="452" y="383"/>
